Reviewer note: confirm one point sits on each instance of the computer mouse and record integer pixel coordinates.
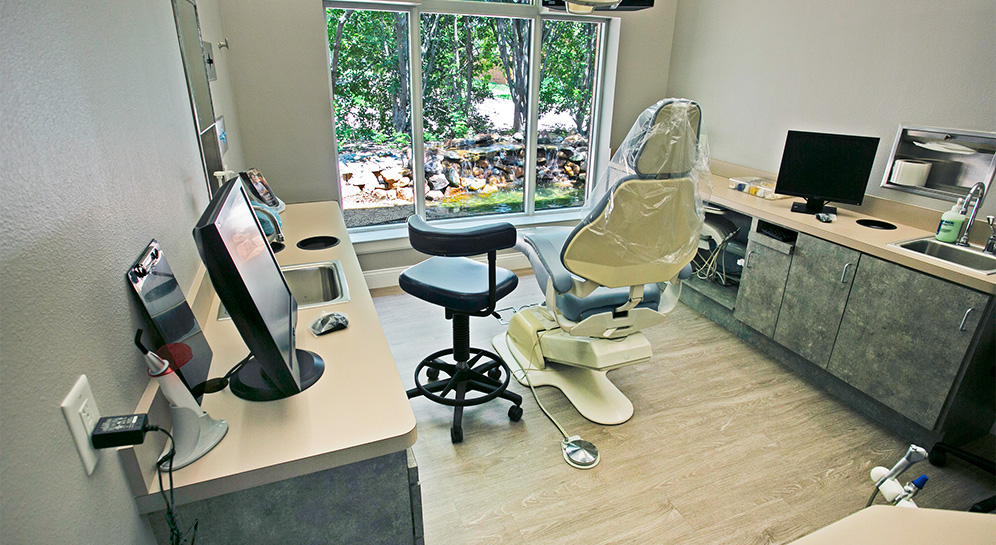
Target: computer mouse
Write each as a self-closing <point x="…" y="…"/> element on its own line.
<point x="826" y="218"/>
<point x="327" y="323"/>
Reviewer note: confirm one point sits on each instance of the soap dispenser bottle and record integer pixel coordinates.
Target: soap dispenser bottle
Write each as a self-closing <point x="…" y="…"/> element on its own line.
<point x="951" y="222"/>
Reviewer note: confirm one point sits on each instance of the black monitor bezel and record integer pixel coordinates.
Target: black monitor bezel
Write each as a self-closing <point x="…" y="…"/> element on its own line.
<point x="814" y="189"/>
<point x="278" y="368"/>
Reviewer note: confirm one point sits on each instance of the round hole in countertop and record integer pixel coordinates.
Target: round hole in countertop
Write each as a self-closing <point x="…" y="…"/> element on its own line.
<point x="320" y="242"/>
<point x="277" y="246"/>
<point x="876" y="224"/>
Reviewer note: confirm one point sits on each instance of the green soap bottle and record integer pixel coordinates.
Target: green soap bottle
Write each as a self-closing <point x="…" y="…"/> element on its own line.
<point x="951" y="222"/>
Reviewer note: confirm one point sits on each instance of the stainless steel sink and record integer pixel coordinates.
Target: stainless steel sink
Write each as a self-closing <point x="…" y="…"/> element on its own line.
<point x="961" y="256"/>
<point x="312" y="284"/>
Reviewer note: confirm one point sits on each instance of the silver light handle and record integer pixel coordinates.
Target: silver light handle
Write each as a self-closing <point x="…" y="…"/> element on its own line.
<point x="965" y="319"/>
<point x="843" y="274"/>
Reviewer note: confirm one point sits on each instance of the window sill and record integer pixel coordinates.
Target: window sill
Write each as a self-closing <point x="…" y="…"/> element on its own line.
<point x="372" y="240"/>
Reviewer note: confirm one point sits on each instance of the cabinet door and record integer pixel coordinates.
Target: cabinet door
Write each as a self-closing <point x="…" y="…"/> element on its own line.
<point x="760" y="294"/>
<point x="903" y="337"/>
<point x="815" y="295"/>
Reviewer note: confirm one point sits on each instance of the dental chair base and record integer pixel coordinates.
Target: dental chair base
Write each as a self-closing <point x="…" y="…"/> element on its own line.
<point x="577" y="366"/>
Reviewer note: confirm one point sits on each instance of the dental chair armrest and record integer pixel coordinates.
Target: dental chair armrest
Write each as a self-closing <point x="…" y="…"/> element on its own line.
<point x="542" y="246"/>
<point x="464" y="242"/>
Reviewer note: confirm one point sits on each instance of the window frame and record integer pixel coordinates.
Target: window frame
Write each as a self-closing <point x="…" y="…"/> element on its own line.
<point x="601" y="104"/>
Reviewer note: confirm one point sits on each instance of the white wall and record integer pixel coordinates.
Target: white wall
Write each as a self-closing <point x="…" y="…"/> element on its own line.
<point x="280" y="69"/>
<point x="761" y="67"/>
<point x="643" y="64"/>
<point x="98" y="156"/>
<point x="222" y="90"/>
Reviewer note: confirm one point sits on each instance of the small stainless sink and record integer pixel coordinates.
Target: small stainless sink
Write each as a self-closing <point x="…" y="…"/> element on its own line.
<point x="970" y="257"/>
<point x="312" y="284"/>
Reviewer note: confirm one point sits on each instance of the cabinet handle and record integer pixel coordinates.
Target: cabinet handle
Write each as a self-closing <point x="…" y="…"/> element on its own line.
<point x="965" y="319"/>
<point x="747" y="260"/>
<point x="843" y="275"/>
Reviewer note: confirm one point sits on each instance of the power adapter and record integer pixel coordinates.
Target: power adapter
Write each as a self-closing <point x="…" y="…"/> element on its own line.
<point x="119" y="431"/>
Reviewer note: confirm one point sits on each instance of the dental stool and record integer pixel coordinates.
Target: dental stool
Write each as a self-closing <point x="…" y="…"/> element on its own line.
<point x="464" y="288"/>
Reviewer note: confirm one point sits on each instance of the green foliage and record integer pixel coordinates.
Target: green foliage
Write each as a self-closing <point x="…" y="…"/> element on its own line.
<point x="372" y="100"/>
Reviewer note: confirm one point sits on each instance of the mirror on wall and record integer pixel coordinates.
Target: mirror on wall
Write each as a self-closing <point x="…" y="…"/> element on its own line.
<point x="195" y="66"/>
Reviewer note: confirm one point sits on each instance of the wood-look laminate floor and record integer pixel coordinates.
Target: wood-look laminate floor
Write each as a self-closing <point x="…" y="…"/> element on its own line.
<point x="726" y="446"/>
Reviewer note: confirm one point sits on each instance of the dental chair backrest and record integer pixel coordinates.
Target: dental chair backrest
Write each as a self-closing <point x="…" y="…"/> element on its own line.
<point x="645" y="222"/>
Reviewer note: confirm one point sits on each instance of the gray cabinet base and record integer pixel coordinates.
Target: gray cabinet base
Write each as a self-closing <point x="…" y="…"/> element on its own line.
<point x="813" y="374"/>
<point x="374" y="502"/>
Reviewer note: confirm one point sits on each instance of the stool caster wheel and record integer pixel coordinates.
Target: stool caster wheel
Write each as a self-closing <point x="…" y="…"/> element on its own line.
<point x="937" y="457"/>
<point x="456" y="434"/>
<point x="495" y="373"/>
<point x="433" y="374"/>
<point x="514" y="413"/>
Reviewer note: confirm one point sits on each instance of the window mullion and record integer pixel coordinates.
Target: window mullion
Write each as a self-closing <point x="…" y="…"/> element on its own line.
<point x="532" y="118"/>
<point x="415" y="83"/>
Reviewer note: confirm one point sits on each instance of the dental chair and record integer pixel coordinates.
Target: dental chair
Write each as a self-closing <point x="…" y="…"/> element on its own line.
<point x="618" y="271"/>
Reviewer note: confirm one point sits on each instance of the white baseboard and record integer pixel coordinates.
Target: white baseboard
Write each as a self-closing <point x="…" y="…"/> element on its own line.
<point x="388" y="277"/>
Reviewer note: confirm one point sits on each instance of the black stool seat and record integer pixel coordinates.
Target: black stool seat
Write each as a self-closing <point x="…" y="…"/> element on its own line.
<point x="456" y="283"/>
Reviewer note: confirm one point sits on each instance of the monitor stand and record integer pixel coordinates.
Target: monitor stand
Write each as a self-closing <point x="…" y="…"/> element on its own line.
<point x="813" y="206"/>
<point x="250" y="383"/>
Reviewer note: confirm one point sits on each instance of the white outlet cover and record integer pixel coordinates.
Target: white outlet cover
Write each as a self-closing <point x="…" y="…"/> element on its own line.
<point x="80" y="410"/>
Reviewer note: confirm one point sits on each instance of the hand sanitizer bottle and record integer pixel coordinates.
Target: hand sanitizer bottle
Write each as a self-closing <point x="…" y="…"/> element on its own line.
<point x="951" y="221"/>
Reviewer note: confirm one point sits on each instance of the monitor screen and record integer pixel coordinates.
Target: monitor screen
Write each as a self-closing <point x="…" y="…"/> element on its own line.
<point x="825" y="167"/>
<point x="248" y="281"/>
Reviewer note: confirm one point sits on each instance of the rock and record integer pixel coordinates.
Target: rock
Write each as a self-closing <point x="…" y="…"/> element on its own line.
<point x="574" y="139"/>
<point x="433" y="166"/>
<point x="451" y="191"/>
<point x="475" y="184"/>
<point x="453" y="176"/>
<point x="350" y="190"/>
<point x="392" y="176"/>
<point x="519" y="172"/>
<point x="517" y="136"/>
<point x="438" y="182"/>
<point x="434" y="195"/>
<point x="451" y="155"/>
<point x="484" y="139"/>
<point x="365" y="179"/>
<point x="580" y="157"/>
<point x="406" y="194"/>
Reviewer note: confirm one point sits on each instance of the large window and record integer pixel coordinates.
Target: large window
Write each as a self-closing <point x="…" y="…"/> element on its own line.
<point x="494" y="125"/>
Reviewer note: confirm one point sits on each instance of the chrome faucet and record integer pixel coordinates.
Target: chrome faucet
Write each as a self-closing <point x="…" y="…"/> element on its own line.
<point x="963" y="241"/>
<point x="991" y="243"/>
<point x="278" y="234"/>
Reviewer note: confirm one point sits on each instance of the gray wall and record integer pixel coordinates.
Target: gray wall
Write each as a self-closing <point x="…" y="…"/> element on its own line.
<point x="761" y="67"/>
<point x="98" y="157"/>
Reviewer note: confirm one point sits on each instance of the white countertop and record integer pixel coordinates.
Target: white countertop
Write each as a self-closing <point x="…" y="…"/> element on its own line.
<point x="846" y="232"/>
<point x="357" y="410"/>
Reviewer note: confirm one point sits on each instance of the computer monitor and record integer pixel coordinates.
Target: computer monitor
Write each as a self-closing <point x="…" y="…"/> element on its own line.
<point x="825" y="167"/>
<point x="247" y="279"/>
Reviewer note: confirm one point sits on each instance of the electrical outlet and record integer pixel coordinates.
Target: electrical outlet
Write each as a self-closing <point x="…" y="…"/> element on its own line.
<point x="80" y="410"/>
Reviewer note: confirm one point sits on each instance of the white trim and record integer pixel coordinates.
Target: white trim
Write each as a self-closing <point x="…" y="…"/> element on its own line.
<point x="395" y="237"/>
<point x="388" y="277"/>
